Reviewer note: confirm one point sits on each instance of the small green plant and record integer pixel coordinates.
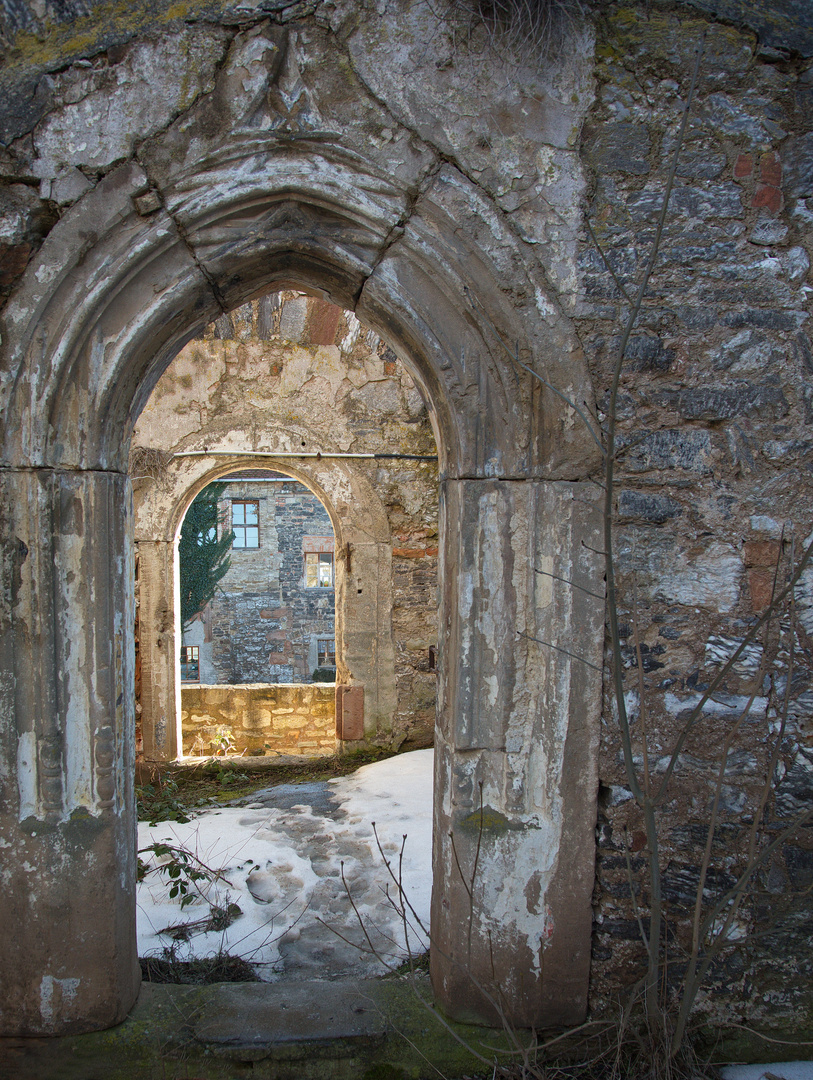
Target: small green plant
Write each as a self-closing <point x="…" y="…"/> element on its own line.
<point x="223" y="740"/>
<point x="183" y="870"/>
<point x="160" y="801"/>
<point x="226" y="777"/>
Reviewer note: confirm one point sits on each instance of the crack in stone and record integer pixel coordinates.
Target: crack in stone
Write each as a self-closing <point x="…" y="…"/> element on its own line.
<point x="183" y="236"/>
<point x="180" y="230"/>
<point x="445" y="158"/>
<point x="399" y="228"/>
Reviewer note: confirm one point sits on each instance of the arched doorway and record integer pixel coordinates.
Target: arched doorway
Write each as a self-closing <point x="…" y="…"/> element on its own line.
<point x="257" y="625"/>
<point x="293" y="382"/>
<point x="105" y="304"/>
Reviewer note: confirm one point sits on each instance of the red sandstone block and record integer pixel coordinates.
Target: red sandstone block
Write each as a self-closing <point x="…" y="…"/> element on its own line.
<point x="349" y="712"/>
<point x="761" y="553"/>
<point x="13" y="261"/>
<point x="760" y="582"/>
<point x="768" y="196"/>
<point x="770" y="169"/>
<point x="324" y="322"/>
<point x="743" y="166"/>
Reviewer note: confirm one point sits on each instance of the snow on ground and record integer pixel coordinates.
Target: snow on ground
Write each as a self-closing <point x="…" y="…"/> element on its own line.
<point x="281" y="853"/>
<point x="787" y="1070"/>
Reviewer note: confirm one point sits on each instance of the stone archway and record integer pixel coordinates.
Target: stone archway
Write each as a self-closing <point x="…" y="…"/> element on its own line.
<point x="363" y="615"/>
<point x="218" y="210"/>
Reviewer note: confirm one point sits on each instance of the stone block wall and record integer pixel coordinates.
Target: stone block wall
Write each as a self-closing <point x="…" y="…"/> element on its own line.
<point x="714" y="499"/>
<point x="263" y="720"/>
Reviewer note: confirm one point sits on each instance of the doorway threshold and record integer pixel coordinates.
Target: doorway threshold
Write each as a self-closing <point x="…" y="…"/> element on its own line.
<point x="338" y="1029"/>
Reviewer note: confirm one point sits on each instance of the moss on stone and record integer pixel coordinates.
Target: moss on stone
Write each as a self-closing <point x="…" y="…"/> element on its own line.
<point x="491" y="821"/>
<point x="160" y="1039"/>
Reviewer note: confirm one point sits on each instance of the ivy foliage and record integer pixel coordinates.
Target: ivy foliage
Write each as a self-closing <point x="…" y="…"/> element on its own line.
<point x="203" y="558"/>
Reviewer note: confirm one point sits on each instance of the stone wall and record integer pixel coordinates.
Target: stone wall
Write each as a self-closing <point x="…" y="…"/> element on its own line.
<point x="161" y="169"/>
<point x="263" y="720"/>
<point x="714" y="497"/>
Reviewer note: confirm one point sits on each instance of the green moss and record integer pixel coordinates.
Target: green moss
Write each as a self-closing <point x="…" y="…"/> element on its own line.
<point x="491" y="821"/>
<point x="158" y="1040"/>
<point x="108" y="24"/>
<point x="654" y="37"/>
<point x="384" y="1071"/>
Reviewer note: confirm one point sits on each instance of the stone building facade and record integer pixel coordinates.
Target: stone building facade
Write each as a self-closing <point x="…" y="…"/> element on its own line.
<point x="492" y="217"/>
<point x="272" y="619"/>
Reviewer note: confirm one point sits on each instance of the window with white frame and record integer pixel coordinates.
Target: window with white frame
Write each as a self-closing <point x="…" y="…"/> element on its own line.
<point x="190" y="663"/>
<point x="326" y="649"/>
<point x="245" y="523"/>
<point x="318" y="569"/>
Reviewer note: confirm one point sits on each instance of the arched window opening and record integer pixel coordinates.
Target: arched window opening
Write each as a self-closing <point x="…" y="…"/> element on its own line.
<point x="257" y="571"/>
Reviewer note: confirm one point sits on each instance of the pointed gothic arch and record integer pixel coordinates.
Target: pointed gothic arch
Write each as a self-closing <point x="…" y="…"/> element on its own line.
<point x="120" y="284"/>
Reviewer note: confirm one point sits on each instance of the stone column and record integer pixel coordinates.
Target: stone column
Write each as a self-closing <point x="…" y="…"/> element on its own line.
<point x="364" y="622"/>
<point x="67" y="828"/>
<point x="156" y="600"/>
<point x="516" y="751"/>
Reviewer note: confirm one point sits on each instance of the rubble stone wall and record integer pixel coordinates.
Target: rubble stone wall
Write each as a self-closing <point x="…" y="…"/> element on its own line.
<point x="262" y="720"/>
<point x="264" y="621"/>
<point x="714" y="499"/>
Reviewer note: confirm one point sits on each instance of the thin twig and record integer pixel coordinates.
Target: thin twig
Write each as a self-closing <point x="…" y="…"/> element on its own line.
<point x="559" y="648"/>
<point x="567" y="581"/>
<point x="716" y="682"/>
<point x="606" y="262"/>
<point x="766" y="1038"/>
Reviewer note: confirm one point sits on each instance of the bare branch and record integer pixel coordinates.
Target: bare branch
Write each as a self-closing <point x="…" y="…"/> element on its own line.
<point x="606" y="261"/>
<point x="567" y="581"/>
<point x="558" y="648"/>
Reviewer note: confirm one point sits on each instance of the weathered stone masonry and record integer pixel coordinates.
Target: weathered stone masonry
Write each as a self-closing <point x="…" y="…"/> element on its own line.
<point x="285" y="719"/>
<point x="716" y="408"/>
<point x="158" y="174"/>
<point x="262" y="616"/>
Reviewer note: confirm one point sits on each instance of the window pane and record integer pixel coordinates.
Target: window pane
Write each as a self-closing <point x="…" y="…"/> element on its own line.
<point x="245" y="518"/>
<point x="190" y="663"/>
<point x="311" y="566"/>
<point x="318" y="570"/>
